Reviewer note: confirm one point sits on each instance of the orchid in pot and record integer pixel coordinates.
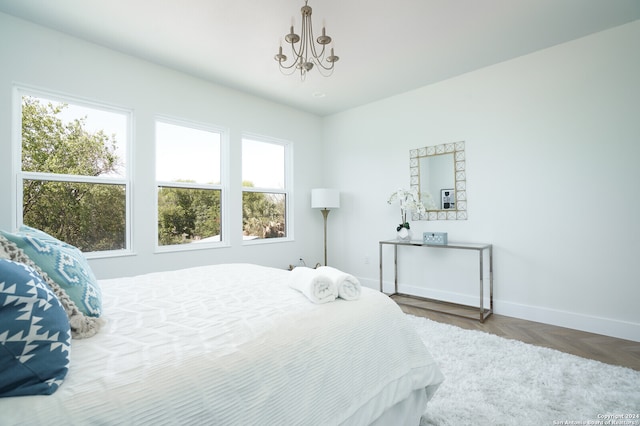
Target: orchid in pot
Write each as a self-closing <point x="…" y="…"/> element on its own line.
<point x="409" y="202"/>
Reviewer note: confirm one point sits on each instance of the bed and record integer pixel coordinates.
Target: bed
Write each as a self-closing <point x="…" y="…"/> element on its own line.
<point x="233" y="344"/>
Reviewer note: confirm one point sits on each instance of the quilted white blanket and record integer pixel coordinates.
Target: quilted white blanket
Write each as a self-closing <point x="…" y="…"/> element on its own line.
<point x="234" y="345"/>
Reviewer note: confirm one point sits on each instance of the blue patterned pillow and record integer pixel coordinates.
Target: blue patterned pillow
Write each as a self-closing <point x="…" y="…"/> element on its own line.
<point x="65" y="264"/>
<point x="35" y="337"/>
<point x="24" y="229"/>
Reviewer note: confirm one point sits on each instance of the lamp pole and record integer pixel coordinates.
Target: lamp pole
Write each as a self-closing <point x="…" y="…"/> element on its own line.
<point x="325" y="213"/>
<point x="325" y="199"/>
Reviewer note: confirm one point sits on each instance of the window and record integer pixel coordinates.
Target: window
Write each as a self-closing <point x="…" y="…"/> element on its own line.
<point x="188" y="175"/>
<point x="72" y="174"/>
<point x="265" y="191"/>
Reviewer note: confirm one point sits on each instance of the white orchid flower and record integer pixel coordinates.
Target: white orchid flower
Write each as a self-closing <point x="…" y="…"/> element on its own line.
<point x="409" y="202"/>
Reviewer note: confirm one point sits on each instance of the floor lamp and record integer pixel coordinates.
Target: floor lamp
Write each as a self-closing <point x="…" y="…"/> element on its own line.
<point x="325" y="199"/>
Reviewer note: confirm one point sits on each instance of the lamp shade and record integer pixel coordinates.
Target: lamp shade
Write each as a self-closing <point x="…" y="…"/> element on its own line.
<point x="324" y="198"/>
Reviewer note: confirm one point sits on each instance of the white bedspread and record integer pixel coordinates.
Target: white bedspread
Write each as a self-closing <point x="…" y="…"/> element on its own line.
<point x="233" y="345"/>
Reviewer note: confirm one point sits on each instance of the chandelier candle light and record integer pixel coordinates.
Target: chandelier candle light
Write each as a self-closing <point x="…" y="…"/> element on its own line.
<point x="306" y="54"/>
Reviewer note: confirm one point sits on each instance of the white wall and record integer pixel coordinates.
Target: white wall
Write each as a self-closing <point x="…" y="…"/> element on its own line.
<point x="552" y="143"/>
<point x="38" y="57"/>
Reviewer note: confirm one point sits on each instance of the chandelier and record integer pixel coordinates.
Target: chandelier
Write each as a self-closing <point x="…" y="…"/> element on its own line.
<point x="306" y="54"/>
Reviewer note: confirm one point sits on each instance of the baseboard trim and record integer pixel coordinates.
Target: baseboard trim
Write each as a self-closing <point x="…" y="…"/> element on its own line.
<point x="589" y="323"/>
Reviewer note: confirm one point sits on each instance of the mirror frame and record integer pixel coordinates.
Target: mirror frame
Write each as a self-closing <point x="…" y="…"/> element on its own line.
<point x="457" y="149"/>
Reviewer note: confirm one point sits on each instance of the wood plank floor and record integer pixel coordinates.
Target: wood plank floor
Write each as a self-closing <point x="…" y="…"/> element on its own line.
<point x="606" y="349"/>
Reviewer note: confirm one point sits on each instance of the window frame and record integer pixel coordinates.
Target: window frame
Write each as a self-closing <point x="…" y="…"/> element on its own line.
<point x="19" y="176"/>
<point x="222" y="187"/>
<point x="287" y="190"/>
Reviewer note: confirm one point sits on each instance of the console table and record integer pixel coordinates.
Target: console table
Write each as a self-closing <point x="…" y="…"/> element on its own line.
<point x="480" y="248"/>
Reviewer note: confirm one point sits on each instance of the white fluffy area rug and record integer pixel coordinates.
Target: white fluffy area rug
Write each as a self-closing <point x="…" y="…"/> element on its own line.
<point x="490" y="380"/>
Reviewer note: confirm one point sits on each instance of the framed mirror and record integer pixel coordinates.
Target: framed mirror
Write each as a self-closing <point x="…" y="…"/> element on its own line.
<point x="439" y="175"/>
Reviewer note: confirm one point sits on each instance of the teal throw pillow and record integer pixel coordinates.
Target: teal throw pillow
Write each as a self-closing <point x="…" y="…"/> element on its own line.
<point x="65" y="264"/>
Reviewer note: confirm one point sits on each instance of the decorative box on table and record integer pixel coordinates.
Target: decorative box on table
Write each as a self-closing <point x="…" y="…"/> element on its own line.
<point x="438" y="238"/>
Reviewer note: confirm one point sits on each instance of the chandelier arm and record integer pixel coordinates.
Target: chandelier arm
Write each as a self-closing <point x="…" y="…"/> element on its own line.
<point x="294" y="61"/>
<point x="286" y="67"/>
<point x="324" y="67"/>
<point x="307" y="37"/>
<point x="285" y="70"/>
<point x="311" y="46"/>
<point x="322" y="73"/>
<point x="325" y="71"/>
<point x="319" y="57"/>
<point x="312" y="43"/>
<point x="321" y="65"/>
<point x="297" y="53"/>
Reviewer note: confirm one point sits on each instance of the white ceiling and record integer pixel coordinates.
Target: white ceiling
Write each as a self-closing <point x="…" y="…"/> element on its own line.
<point x="385" y="47"/>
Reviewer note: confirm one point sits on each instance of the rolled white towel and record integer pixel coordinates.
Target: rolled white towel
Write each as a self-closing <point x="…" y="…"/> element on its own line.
<point x="318" y="287"/>
<point x="348" y="286"/>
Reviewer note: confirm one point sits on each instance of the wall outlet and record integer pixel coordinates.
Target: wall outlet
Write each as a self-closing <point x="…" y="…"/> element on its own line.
<point x="367" y="260"/>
